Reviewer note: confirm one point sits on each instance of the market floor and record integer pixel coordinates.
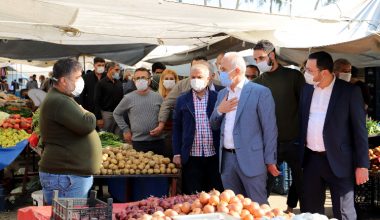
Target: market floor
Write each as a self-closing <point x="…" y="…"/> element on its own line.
<point x="279" y="201"/>
<point x="8" y="215"/>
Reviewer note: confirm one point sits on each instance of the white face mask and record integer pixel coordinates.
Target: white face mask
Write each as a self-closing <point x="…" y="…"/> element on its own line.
<point x="169" y="84"/>
<point x="100" y="69"/>
<point x="141" y="84"/>
<point x="198" y="84"/>
<point x="309" y="79"/>
<point x="79" y="86"/>
<point x="264" y="67"/>
<point x="345" y="76"/>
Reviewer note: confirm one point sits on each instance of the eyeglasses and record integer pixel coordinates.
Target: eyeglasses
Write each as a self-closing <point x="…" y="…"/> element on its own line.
<point x="142" y="77"/>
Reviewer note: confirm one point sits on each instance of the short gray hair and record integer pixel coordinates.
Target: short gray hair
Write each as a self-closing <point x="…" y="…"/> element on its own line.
<point x="110" y="65"/>
<point x="202" y="67"/>
<point x="265" y="45"/>
<point x="236" y="61"/>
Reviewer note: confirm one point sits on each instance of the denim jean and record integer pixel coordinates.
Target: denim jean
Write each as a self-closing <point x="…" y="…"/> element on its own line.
<point x="68" y="186"/>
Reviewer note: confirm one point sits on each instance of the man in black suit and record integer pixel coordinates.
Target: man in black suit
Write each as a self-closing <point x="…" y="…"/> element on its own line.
<point x="334" y="141"/>
<point x="91" y="79"/>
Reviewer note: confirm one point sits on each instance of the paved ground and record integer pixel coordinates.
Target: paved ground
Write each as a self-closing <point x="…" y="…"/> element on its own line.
<point x="279" y="201"/>
<point x="8" y="215"/>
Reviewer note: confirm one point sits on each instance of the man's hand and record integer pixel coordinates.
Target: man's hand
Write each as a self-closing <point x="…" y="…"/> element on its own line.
<point x="272" y="169"/>
<point x="177" y="160"/>
<point x="157" y="131"/>
<point x="100" y="123"/>
<point x="228" y="105"/>
<point x="128" y="137"/>
<point x="361" y="175"/>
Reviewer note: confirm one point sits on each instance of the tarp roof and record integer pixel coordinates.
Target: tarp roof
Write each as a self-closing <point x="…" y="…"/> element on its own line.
<point x="166" y="22"/>
<point x="144" y="21"/>
<point x="363" y="52"/>
<point x="357" y="39"/>
<point x="36" y="50"/>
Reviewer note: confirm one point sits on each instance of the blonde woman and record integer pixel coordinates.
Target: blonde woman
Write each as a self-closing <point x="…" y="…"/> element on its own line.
<point x="168" y="80"/>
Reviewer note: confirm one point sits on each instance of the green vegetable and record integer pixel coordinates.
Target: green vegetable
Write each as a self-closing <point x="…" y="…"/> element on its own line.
<point x="36" y="121"/>
<point x="23" y="111"/>
<point x="109" y="139"/>
<point x="373" y="127"/>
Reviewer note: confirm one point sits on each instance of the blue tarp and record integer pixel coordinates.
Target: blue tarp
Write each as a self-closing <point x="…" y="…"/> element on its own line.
<point x="8" y="155"/>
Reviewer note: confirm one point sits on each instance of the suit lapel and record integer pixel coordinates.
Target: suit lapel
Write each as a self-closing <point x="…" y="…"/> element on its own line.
<point x="243" y="99"/>
<point x="333" y="99"/>
<point x="190" y="103"/>
<point x="309" y="90"/>
<point x="211" y="99"/>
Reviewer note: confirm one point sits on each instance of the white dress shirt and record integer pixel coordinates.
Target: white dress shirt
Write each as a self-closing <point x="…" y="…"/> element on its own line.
<point x="212" y="87"/>
<point x="318" y="109"/>
<point x="228" y="140"/>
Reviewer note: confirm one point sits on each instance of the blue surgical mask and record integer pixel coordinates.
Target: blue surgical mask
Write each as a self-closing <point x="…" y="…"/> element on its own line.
<point x="225" y="78"/>
<point x="116" y="76"/>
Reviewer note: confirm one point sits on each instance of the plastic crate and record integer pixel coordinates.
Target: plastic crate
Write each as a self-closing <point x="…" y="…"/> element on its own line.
<point x="81" y="209"/>
<point x="367" y="196"/>
<point x="283" y="181"/>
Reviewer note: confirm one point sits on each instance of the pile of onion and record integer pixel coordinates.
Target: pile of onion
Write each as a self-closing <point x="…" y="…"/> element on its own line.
<point x="214" y="201"/>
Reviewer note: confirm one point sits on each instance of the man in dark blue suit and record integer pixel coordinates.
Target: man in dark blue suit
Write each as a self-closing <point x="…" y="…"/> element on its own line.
<point x="195" y="145"/>
<point x="334" y="142"/>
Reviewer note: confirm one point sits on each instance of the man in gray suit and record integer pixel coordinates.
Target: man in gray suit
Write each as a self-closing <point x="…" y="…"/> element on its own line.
<point x="245" y="114"/>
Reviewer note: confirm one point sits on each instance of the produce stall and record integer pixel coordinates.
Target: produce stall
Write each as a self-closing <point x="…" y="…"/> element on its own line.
<point x="134" y="174"/>
<point x="367" y="195"/>
<point x="212" y="205"/>
<point x="373" y="129"/>
<point x="12" y="104"/>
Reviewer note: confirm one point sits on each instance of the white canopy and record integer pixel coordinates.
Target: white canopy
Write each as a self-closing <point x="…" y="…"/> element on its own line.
<point x="166" y="22"/>
<point x="144" y="21"/>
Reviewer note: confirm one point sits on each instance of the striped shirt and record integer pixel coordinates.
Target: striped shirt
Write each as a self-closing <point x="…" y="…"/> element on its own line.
<point x="203" y="142"/>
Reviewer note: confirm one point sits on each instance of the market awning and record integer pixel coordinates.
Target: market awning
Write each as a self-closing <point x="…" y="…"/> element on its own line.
<point x="211" y="51"/>
<point x="36" y="50"/>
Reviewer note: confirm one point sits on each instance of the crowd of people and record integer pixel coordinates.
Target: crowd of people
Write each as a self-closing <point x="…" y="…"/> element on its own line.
<point x="226" y="128"/>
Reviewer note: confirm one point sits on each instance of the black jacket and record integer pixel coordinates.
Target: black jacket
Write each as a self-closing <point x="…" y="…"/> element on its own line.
<point x="86" y="98"/>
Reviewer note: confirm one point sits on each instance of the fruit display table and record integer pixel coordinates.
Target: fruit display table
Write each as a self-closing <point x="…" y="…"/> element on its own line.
<point x="8" y="155"/>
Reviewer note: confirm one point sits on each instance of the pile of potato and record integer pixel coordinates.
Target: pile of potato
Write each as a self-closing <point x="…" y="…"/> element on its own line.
<point x="127" y="161"/>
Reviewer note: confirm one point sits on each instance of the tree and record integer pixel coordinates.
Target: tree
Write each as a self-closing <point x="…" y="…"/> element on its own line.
<point x="324" y="3"/>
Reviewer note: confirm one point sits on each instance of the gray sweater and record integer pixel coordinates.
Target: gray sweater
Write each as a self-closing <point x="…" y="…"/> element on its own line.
<point x="142" y="112"/>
